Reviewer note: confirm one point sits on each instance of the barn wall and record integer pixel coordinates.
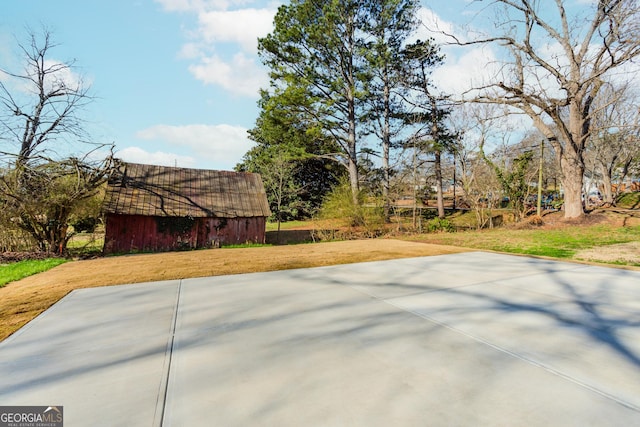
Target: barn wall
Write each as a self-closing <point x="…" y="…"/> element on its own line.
<point x="214" y="232"/>
<point x="135" y="233"/>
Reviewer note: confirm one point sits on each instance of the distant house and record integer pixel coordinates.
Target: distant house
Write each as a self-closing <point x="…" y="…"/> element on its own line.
<point x="157" y="208"/>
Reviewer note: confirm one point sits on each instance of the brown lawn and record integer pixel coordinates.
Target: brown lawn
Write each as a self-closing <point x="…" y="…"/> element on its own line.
<point x="23" y="300"/>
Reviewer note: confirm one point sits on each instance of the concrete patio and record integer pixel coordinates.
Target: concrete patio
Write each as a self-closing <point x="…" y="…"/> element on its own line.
<point x="470" y="339"/>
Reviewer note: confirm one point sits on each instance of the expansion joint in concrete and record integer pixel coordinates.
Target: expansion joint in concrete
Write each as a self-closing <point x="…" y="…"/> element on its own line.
<point x="164" y="384"/>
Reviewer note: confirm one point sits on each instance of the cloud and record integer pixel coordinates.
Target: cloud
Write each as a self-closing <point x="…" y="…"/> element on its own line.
<point x="139" y="155"/>
<point x="58" y="75"/>
<point x="432" y="26"/>
<point x="199" y="5"/>
<point x="217" y="146"/>
<point x="464" y="68"/>
<point x="61" y="74"/>
<point x="243" y="26"/>
<point x="192" y="5"/>
<point x="223" y="46"/>
<point x="241" y="75"/>
<point x="190" y="51"/>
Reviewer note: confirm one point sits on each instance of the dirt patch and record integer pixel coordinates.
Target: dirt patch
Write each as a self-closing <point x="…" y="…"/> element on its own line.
<point x="622" y="253"/>
<point x="7" y="257"/>
<point x="23" y="300"/>
<point x="555" y="220"/>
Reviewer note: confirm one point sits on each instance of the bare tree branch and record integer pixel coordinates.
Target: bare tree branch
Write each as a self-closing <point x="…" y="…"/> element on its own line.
<point x="558" y="91"/>
<point x="38" y="107"/>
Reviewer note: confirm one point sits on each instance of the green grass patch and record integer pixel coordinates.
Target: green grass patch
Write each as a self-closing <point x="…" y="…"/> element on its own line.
<point x="20" y="270"/>
<point x="86" y="244"/>
<point x="561" y="243"/>
<point x="628" y="201"/>
<point x="465" y="219"/>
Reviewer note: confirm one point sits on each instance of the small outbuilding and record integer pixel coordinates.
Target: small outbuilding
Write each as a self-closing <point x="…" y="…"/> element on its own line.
<point x="156" y="208"/>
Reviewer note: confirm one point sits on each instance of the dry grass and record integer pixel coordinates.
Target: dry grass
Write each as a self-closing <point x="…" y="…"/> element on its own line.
<point x="23" y="300"/>
<point x="625" y="253"/>
<point x="599" y="233"/>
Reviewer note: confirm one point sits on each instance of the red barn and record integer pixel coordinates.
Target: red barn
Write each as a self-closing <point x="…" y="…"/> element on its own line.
<point x="157" y="208"/>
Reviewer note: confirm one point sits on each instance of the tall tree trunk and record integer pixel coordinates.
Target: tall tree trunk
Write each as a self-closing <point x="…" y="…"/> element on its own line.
<point x="353" y="180"/>
<point x="386" y="144"/>
<point x="572" y="162"/>
<point x="352" y="165"/>
<point x="607" y="186"/>
<point x="352" y="135"/>
<point x="435" y="131"/>
<point x="352" y="154"/>
<point x="439" y="198"/>
<point x="572" y="180"/>
<point x="386" y="183"/>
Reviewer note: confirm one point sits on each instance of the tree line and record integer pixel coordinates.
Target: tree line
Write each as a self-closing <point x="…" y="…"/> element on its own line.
<point x="351" y="102"/>
<point x="349" y="80"/>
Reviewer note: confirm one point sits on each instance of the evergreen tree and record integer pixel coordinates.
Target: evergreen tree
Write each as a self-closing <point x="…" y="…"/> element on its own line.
<point x="293" y="159"/>
<point x="315" y="62"/>
<point x="390" y="23"/>
<point x="428" y="113"/>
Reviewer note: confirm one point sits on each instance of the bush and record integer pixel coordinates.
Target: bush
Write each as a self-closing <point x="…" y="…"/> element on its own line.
<point x="367" y="216"/>
<point x="12" y="237"/>
<point x="536" y="220"/>
<point x="439" y="225"/>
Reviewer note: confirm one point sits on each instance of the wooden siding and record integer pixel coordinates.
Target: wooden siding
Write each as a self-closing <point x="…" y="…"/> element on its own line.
<point x="137" y="189"/>
<point x="157" y="208"/>
<point x="138" y="233"/>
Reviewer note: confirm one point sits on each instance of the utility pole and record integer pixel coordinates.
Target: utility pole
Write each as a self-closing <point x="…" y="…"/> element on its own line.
<point x="540" y="178"/>
<point x="454" y="181"/>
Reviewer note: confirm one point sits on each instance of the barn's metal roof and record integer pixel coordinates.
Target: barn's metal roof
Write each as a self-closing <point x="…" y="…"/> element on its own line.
<point x="149" y="190"/>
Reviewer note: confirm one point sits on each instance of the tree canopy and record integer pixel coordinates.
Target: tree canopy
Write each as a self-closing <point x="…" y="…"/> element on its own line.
<point x="337" y="74"/>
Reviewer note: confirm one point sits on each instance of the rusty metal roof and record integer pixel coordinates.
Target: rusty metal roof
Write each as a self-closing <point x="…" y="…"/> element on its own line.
<point x="149" y="190"/>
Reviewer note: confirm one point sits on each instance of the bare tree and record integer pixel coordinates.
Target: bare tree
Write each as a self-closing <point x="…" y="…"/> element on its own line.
<point x="41" y="182"/>
<point x="475" y="124"/>
<point x="613" y="145"/>
<point x="557" y="68"/>
<point x="42" y="105"/>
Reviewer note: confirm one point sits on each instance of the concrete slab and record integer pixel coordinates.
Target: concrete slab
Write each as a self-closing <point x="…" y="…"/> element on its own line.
<point x="463" y="339"/>
<point x="102" y="353"/>
<point x="441" y="272"/>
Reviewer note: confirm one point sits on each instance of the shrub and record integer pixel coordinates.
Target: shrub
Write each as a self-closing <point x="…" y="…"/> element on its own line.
<point x="439" y="225"/>
<point x="536" y="220"/>
<point x="367" y="216"/>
